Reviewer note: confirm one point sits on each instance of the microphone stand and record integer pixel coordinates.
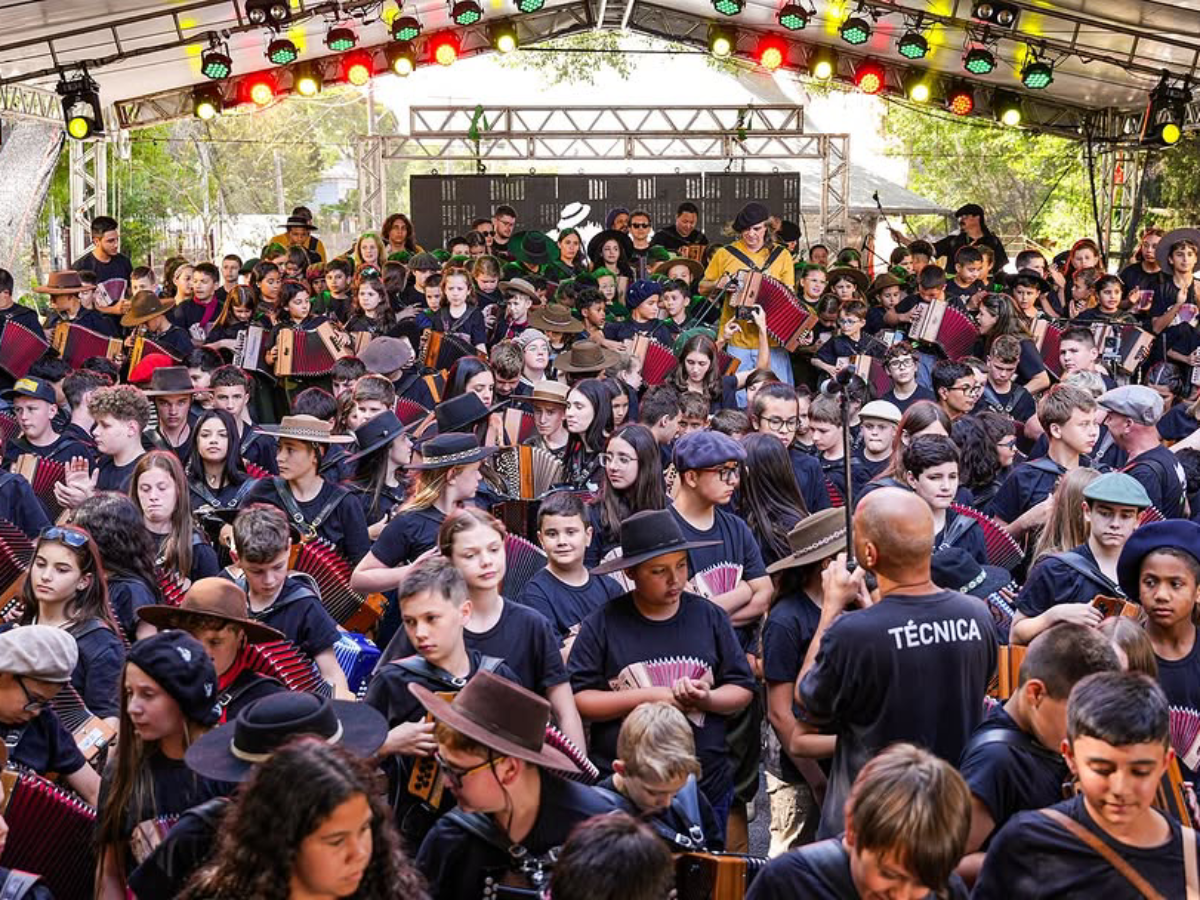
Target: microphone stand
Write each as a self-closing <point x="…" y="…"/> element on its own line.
<point x="847" y="469"/>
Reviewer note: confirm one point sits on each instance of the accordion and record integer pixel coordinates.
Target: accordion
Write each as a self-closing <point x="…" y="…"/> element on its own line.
<point x="91" y="733"/>
<point x="693" y="251"/>
<point x="148" y="835"/>
<point x="8" y="427"/>
<point x="528" y="472"/>
<point x="941" y="324"/>
<point x="75" y="343"/>
<point x="715" y="876"/>
<point x="251" y="350"/>
<point x="522" y="560"/>
<point x="518" y="425"/>
<point x="717" y="579"/>
<point x="307" y="354"/>
<point x="144" y="346"/>
<point x="357" y="657"/>
<point x="870" y="369"/>
<point x="288" y="664"/>
<point x="50" y="834"/>
<point x="1126" y="345"/>
<point x="657" y="359"/>
<point x="16" y="553"/>
<point x="20" y="348"/>
<point x="1048" y="339"/>
<point x="1175" y="795"/>
<point x="1008" y="671"/>
<point x="1002" y="550"/>
<point x="439" y="351"/>
<point x="321" y="561"/>
<point x="788" y="320"/>
<point x="42" y="474"/>
<point x="425" y="780"/>
<point x="409" y="411"/>
<point x="171" y="585"/>
<point x="664" y="672"/>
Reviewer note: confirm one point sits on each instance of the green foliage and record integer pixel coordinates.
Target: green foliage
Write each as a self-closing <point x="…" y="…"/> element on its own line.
<point x="1032" y="186"/>
<point x="574" y="59"/>
<point x="1173" y="194"/>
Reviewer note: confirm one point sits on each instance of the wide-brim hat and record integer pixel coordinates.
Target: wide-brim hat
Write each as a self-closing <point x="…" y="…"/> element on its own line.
<point x="573" y="214"/>
<point x="168" y="381"/>
<point x="647" y="535"/>
<point x="533" y="248"/>
<point x="788" y="231"/>
<point x="882" y="283"/>
<point x="954" y="569"/>
<point x="547" y="391"/>
<point x="454" y="449"/>
<point x="305" y="428"/>
<point x="228" y="753"/>
<point x="814" y="538"/>
<point x="585" y="356"/>
<point x="500" y="715"/>
<point x="1163" y="251"/>
<point x="144" y="306"/>
<point x="298" y="222"/>
<point x="1177" y="534"/>
<point x="609" y="234"/>
<point x="521" y="286"/>
<point x="858" y="276"/>
<point x="64" y="282"/>
<point x="693" y="266"/>
<point x="375" y="433"/>
<point x="969" y="209"/>
<point x="210" y="598"/>
<point x="554" y="317"/>
<point x="1010" y="281"/>
<point x="462" y="412"/>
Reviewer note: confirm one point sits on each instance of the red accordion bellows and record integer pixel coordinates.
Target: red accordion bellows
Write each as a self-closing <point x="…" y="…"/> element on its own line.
<point x="16" y="553"/>
<point x="941" y="324"/>
<point x="657" y="359"/>
<point x="588" y="773"/>
<point x="172" y="588"/>
<point x="307" y="354"/>
<point x="522" y="560"/>
<point x="287" y="663"/>
<point x="50" y="834"/>
<point x="75" y="343"/>
<point x="42" y="474"/>
<point x="1048" y="339"/>
<point x="1002" y="550"/>
<point x="320" y="560"/>
<point x="409" y="411"/>
<point x="788" y="319"/>
<point x="20" y="348"/>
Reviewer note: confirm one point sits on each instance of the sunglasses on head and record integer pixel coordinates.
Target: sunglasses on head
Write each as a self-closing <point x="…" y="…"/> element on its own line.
<point x="68" y="536"/>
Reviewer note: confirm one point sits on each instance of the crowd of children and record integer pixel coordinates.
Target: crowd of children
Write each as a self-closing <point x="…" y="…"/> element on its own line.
<point x="557" y="562"/>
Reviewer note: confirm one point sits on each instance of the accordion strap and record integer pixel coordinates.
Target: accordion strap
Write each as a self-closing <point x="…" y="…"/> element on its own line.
<point x="742" y="257"/>
<point x="293" y="508"/>
<point x="18" y="884"/>
<point x="1111" y="856"/>
<point x="1077" y="562"/>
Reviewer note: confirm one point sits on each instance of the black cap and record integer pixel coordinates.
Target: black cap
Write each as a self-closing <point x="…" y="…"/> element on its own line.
<point x="969" y="209"/>
<point x="753" y="213"/>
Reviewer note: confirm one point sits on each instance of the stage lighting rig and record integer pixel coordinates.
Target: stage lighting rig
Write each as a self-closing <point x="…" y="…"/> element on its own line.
<point x="82" y="113"/>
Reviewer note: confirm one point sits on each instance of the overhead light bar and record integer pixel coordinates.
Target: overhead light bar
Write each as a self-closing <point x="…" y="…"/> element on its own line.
<point x="405" y="28"/>
<point x="793" y="17"/>
<point x="82" y="112"/>
<point x="282" y="52"/>
<point x="340" y="39"/>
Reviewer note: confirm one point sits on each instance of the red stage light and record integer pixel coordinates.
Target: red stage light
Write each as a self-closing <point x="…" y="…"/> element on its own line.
<point x="771" y="54"/>
<point x="869" y="78"/>
<point x="261" y="90"/>
<point x="961" y="101"/>
<point x="445" y="50"/>
<point x="359" y="68"/>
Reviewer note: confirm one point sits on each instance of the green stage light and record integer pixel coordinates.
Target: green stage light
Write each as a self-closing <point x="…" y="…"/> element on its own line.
<point x="282" y="52"/>
<point x="913" y="45"/>
<point x="979" y="61"/>
<point x="215" y="65"/>
<point x="793" y="17"/>
<point x="728" y="7"/>
<point x="1037" y="75"/>
<point x="341" y="39"/>
<point x="466" y="12"/>
<point x="405" y="28"/>
<point x="855" y="30"/>
<point x="530" y="6"/>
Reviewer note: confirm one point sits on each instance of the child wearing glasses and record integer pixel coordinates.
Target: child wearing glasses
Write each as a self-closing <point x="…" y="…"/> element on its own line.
<point x="837" y="352"/>
<point x="779" y="410"/>
<point x="434" y="607"/>
<point x="65" y="588"/>
<point x="900" y="361"/>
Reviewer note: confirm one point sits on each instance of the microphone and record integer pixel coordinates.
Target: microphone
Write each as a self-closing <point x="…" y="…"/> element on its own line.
<point x="831" y="387"/>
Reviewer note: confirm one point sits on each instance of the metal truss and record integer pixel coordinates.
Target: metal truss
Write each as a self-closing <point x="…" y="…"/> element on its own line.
<point x="589" y="133"/>
<point x="89" y="189"/>
<point x="21" y="101"/>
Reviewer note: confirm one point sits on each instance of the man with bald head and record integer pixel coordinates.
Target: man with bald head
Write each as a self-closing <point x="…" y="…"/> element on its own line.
<point x="913" y="665"/>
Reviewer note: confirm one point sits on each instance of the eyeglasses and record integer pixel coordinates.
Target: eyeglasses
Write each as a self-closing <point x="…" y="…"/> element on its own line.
<point x="775" y="423"/>
<point x="455" y="775"/>
<point x="968" y="389"/>
<point x="640" y="225"/>
<point x="621" y="459"/>
<point x="851" y="320"/>
<point x="487" y="233"/>
<point x="32" y="704"/>
<point x="1010" y="444"/>
<point x="727" y="474"/>
<point x="902" y="362"/>
<point x="68" y="536"/>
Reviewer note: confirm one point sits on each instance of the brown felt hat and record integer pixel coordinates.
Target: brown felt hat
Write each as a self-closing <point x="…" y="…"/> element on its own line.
<point x="144" y="306"/>
<point x="585" y="356"/>
<point x="169" y="381"/>
<point x="815" y="537"/>
<point x="210" y="598"/>
<point x="64" y="282"/>
<point x="555" y="317"/>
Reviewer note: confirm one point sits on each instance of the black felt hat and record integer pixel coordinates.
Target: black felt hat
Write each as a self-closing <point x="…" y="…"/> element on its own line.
<point x="647" y="535"/>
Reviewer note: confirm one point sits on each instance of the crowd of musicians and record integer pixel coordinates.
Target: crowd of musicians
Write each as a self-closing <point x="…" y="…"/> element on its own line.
<point x="508" y="568"/>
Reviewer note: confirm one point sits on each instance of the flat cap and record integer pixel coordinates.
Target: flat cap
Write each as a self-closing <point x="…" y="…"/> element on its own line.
<point x="1136" y="401"/>
<point x="39" y="652"/>
<point x="1118" y="489"/>
<point x="706" y="450"/>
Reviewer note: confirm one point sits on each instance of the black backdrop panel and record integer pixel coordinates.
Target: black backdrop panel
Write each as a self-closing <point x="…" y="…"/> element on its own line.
<point x="445" y="205"/>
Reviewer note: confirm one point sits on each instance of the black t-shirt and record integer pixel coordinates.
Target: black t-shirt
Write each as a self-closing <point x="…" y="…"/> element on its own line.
<point x="248" y="687"/>
<point x="868" y="657"/>
<point x="970" y="540"/>
<point x="921" y="393"/>
<point x="44" y="745"/>
<point x="185" y="849"/>
<point x="204" y="558"/>
<point x="97" y="674"/>
<point x="669" y="237"/>
<point x="1053" y="581"/>
<point x="1180" y="680"/>
<point x="1135" y="278"/>
<point x="344" y="527"/>
<point x="1017" y="404"/>
<point x="407" y="536"/>
<point x="820" y="871"/>
<point x="1027" y="484"/>
<point x="455" y="862"/>
<point x="470" y="326"/>
<point x="810" y="478"/>
<point x="840" y="346"/>
<point x="388" y="691"/>
<point x="128" y="594"/>
<point x="786" y="634"/>
<point x="19" y="505"/>
<point x="1009" y="778"/>
<point x="618" y="636"/>
<point x="1033" y="858"/>
<point x="298" y="613"/>
<point x="952" y="243"/>
<point x="565" y="605"/>
<point x="628" y="329"/>
<point x="957" y="295"/>
<point x="118" y="266"/>
<point x="113" y="477"/>
<point x="1160" y="474"/>
<point x="189" y="313"/>
<point x="62" y="449"/>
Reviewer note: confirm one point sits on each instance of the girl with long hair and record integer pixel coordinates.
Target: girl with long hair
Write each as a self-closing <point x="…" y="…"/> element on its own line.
<point x="267" y="283"/>
<point x="234" y="318"/>
<point x="177" y="279"/>
<point x="1065" y="527"/>
<point x="472" y="375"/>
<point x="65" y="588"/>
<point x="698" y="371"/>
<point x="216" y="476"/>
<point x="398" y="232"/>
<point x="997" y="315"/>
<point x="379" y="471"/>
<point x="164" y="708"/>
<point x="588" y="420"/>
<point x="570" y="251"/>
<point x="631" y="481"/>
<point x="768" y="497"/>
<point x="473" y="541"/>
<point x="369" y="250"/>
<point x="371" y="310"/>
<point x="127" y="556"/>
<point x="459" y="313"/>
<point x="334" y="839"/>
<point x="979" y="459"/>
<point x="161" y="492"/>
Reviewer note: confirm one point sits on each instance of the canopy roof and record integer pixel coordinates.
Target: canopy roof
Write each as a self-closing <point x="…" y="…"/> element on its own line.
<point x="1107" y="53"/>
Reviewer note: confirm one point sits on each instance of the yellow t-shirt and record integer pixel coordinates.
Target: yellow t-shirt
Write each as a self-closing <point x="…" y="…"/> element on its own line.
<point x="723" y="262"/>
<point x="283" y="239"/>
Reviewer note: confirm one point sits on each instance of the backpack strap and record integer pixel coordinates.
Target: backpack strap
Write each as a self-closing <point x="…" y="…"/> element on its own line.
<point x="957" y="530"/>
<point x="293" y="508"/>
<point x="18" y="884"/>
<point x="1107" y="853"/>
<point x="1011" y="738"/>
<point x="424" y="669"/>
<point x="1077" y="562"/>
